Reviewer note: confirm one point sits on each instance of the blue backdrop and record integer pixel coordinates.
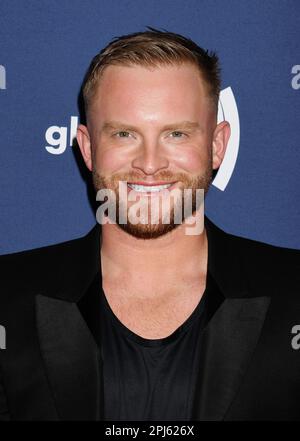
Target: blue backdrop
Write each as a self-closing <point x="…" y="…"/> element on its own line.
<point x="45" y="48"/>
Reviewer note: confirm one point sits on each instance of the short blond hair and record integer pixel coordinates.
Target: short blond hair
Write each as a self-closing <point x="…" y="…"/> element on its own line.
<point x="153" y="48"/>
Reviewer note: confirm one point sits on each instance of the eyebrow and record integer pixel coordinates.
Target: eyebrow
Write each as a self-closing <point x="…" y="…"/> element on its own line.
<point x="184" y="125"/>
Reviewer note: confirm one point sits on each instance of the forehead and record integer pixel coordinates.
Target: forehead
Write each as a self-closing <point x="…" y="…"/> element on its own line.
<point x="184" y="70"/>
<point x="137" y="89"/>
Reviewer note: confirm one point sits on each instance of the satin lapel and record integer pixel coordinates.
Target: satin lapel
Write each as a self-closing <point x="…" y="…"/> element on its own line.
<point x="228" y="344"/>
<point x="71" y="358"/>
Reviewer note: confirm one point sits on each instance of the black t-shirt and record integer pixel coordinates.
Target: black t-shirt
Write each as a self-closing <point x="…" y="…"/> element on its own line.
<point x="153" y="379"/>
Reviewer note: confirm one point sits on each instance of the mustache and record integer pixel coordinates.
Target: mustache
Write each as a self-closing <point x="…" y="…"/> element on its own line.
<point x="162" y="176"/>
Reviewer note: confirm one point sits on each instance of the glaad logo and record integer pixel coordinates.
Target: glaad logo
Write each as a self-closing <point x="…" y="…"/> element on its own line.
<point x="2" y="337"/>
<point x="228" y="111"/>
<point x="2" y="77"/>
<point x="296" y="340"/>
<point x="57" y="137"/>
<point x="296" y="79"/>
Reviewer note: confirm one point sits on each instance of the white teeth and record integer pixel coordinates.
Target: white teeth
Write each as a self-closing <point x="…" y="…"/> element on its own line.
<point x="148" y="188"/>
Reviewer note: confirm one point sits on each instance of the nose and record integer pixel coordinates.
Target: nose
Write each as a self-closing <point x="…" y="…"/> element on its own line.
<point x="150" y="159"/>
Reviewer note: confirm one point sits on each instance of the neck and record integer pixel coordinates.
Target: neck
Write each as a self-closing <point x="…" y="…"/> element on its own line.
<point x="160" y="258"/>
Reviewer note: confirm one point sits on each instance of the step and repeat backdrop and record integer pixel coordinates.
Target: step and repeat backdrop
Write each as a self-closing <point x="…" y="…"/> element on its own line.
<point x="45" y="49"/>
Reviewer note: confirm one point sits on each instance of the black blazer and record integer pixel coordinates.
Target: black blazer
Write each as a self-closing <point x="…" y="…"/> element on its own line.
<point x="51" y="368"/>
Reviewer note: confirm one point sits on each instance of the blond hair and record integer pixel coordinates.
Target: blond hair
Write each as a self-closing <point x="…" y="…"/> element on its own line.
<point x="153" y="48"/>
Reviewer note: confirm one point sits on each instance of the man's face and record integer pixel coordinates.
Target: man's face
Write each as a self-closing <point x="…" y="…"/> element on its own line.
<point x="152" y="128"/>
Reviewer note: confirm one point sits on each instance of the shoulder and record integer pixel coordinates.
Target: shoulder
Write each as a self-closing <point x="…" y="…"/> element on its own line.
<point x="257" y="249"/>
<point x="47" y="266"/>
<point x="260" y="251"/>
<point x="254" y="247"/>
<point x="276" y="267"/>
<point x="24" y="264"/>
<point x="259" y="266"/>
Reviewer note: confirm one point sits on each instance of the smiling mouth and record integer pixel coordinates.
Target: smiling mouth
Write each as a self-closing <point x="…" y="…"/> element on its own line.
<point x="154" y="188"/>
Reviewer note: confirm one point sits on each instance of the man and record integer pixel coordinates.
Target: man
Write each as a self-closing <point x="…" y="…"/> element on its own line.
<point x="141" y="320"/>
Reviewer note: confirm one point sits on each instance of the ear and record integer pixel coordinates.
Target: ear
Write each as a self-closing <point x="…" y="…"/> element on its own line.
<point x="84" y="142"/>
<point x="220" y="140"/>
